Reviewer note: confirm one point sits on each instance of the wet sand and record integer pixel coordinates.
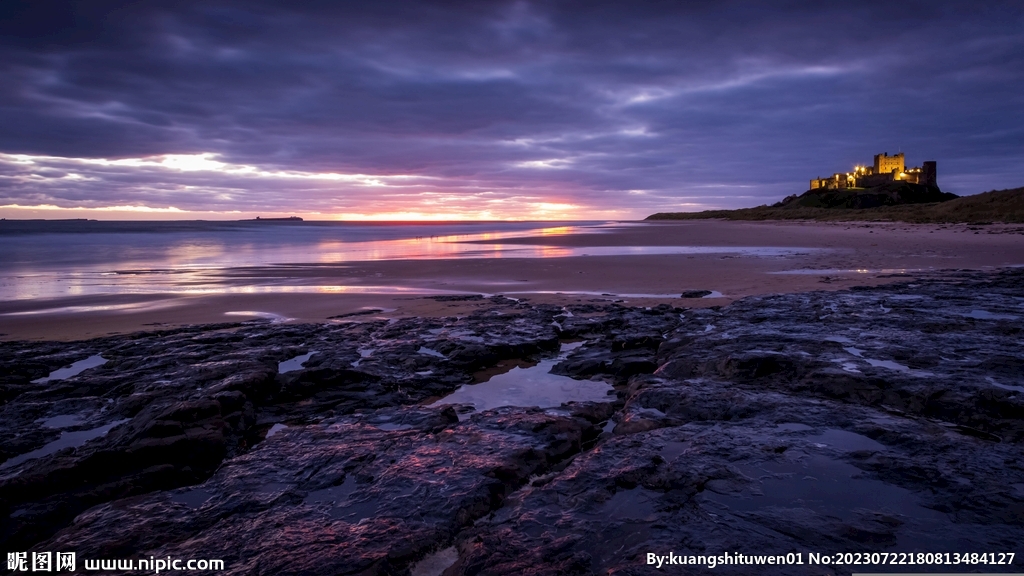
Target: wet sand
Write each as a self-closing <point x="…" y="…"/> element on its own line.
<point x="834" y="256"/>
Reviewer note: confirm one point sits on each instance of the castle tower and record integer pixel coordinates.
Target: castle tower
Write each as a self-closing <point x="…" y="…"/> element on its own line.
<point x="885" y="164"/>
<point x="928" y="173"/>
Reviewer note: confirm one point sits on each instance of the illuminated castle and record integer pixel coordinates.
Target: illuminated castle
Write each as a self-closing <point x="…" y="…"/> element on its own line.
<point x="886" y="169"/>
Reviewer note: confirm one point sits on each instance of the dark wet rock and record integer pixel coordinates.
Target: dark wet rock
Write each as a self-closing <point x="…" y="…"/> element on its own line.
<point x="885" y="418"/>
<point x="370" y="312"/>
<point x="193" y="397"/>
<point x="705" y="488"/>
<point x="359" y="494"/>
<point x="695" y="293"/>
<point x="458" y="298"/>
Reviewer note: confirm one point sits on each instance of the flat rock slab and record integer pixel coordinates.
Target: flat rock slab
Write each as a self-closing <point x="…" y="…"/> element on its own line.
<point x="764" y="486"/>
<point x="360" y="494"/>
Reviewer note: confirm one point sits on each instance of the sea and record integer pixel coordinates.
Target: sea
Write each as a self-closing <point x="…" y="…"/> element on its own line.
<point x="60" y="258"/>
<point x="45" y="259"/>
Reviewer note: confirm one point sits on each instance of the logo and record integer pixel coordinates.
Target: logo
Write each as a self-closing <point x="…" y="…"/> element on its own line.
<point x="41" y="562"/>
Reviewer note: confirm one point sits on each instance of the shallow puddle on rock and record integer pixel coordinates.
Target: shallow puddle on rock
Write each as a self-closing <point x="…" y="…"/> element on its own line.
<point x="635" y="504"/>
<point x="652" y="412"/>
<point x="848" y="367"/>
<point x="276" y="318"/>
<point x="501" y="367"/>
<point x="824" y="485"/>
<point x="671" y="450"/>
<point x="274" y="487"/>
<point x="73" y="370"/>
<point x="830" y="271"/>
<point x="854" y="351"/>
<point x="898" y="367"/>
<point x="435" y="564"/>
<point x="294" y="363"/>
<point x="986" y="315"/>
<point x="62" y="421"/>
<point x="457" y="334"/>
<point x="625" y="520"/>
<point x="1010" y="387"/>
<point x="192" y="498"/>
<point x="363" y="354"/>
<point x="533" y="386"/>
<point x="66" y="440"/>
<point x="887" y="364"/>
<point x="846" y="441"/>
<point x="274" y="430"/>
<point x="339" y="499"/>
<point x="333" y="493"/>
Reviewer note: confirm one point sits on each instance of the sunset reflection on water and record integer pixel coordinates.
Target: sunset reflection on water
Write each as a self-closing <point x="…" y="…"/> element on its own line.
<point x="248" y="259"/>
<point x="484" y="245"/>
<point x="217" y="257"/>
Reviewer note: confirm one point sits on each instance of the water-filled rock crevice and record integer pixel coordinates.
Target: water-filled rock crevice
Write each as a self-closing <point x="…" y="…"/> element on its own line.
<point x="193" y="397"/>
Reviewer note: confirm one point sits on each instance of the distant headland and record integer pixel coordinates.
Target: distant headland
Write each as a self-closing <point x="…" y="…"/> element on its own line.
<point x="886" y="190"/>
<point x="985" y="208"/>
<point x="886" y="183"/>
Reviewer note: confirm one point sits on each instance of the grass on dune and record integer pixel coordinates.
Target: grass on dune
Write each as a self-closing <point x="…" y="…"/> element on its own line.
<point x="988" y="207"/>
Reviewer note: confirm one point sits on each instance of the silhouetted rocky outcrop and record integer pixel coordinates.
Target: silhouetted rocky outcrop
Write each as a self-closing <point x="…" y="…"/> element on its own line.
<point x="889" y="194"/>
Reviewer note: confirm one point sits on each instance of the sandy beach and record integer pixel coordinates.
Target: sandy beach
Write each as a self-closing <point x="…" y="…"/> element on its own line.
<point x="824" y="256"/>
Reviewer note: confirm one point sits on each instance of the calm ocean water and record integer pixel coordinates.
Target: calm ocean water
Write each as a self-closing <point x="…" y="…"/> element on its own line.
<point x="34" y="245"/>
<point x="45" y="259"/>
<point x="53" y="259"/>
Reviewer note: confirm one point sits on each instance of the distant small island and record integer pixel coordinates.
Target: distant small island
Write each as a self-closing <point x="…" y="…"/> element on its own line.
<point x="286" y="219"/>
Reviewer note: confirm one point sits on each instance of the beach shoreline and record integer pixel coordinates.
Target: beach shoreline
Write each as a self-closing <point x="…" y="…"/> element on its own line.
<point x="723" y="258"/>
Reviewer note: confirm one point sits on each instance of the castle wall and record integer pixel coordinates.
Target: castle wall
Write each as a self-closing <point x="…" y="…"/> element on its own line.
<point x="869" y="180"/>
<point x="886" y="169"/>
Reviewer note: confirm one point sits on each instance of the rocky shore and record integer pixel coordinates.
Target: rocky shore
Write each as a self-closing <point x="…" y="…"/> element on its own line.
<point x="888" y="418"/>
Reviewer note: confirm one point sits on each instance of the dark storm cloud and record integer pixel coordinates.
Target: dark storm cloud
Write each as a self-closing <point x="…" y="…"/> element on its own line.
<point x="695" y="103"/>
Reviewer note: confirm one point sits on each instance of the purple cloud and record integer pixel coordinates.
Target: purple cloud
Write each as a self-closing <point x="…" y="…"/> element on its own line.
<point x="501" y="109"/>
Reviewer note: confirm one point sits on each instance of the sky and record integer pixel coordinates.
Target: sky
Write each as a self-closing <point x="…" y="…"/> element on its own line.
<point x="491" y="110"/>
